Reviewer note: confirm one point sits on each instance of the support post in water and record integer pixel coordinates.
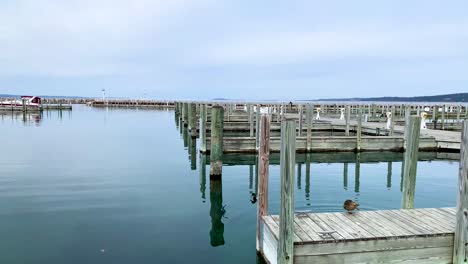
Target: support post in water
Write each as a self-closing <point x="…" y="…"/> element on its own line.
<point x="250" y="111"/>
<point x="442" y="118"/>
<point x="359" y="130"/>
<point x="203" y="128"/>
<point x="413" y="129"/>
<point x="192" y="119"/>
<point x="287" y="164"/>
<point x="185" y="114"/>
<point x="263" y="172"/>
<point x="392" y="120"/>
<point x="348" y="115"/>
<point x="216" y="153"/>
<point x="300" y="120"/>
<point x="257" y="128"/>
<point x="460" y="245"/>
<point x="309" y="113"/>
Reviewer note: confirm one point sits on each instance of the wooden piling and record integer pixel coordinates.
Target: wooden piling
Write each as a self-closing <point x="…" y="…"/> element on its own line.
<point x="407" y="116"/>
<point x="185" y="114"/>
<point x="192" y="117"/>
<point x="460" y="247"/>
<point x="287" y="165"/>
<point x="300" y="120"/>
<point x="347" y="117"/>
<point x="442" y="118"/>
<point x="251" y="122"/>
<point x="392" y="120"/>
<point x="216" y="150"/>
<point x="203" y="128"/>
<point x="359" y="130"/>
<point x="263" y="171"/>
<point x="411" y="161"/>
<point x="309" y="120"/>
<point x="257" y="128"/>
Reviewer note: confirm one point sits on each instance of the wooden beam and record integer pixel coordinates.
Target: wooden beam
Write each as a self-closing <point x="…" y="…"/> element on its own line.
<point x="460" y="247"/>
<point x="287" y="164"/>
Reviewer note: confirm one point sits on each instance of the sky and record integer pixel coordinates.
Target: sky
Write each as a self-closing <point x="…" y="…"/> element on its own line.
<point x="236" y="49"/>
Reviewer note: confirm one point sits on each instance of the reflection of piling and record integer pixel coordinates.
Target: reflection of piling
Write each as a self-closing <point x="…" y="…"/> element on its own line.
<point x="357" y="173"/>
<point x="411" y="161"/>
<point x="263" y="171"/>
<point x="202" y="171"/>
<point x="216" y="212"/>
<point x="193" y="153"/>
<point x="299" y="175"/>
<point x="287" y="164"/>
<point x="389" y="175"/>
<point x="345" y="175"/>
<point x="216" y="154"/>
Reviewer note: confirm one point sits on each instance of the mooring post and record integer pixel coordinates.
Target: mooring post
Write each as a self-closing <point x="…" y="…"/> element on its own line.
<point x="263" y="171"/>
<point x="202" y="128"/>
<point x="359" y="130"/>
<point x="348" y="115"/>
<point x="257" y="128"/>
<point x="458" y="113"/>
<point x="287" y="162"/>
<point x="216" y="150"/>
<point x="434" y="116"/>
<point x="407" y="116"/>
<point x="309" y="121"/>
<point x="192" y="119"/>
<point x="251" y="122"/>
<point x="442" y="118"/>
<point x="185" y="114"/>
<point x="460" y="245"/>
<point x="300" y="120"/>
<point x="392" y="120"/>
<point x="411" y="161"/>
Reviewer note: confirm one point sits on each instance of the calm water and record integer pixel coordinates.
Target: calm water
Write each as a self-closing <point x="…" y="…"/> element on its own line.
<point x="116" y="186"/>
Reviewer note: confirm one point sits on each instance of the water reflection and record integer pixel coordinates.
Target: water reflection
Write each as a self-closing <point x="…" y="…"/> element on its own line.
<point x="357" y="173"/>
<point x="217" y="212"/>
<point x="345" y="175"/>
<point x="202" y="170"/>
<point x="27" y="118"/>
<point x="389" y="175"/>
<point x="307" y="181"/>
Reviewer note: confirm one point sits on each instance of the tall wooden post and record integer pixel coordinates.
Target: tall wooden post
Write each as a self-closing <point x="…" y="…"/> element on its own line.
<point x="407" y="116"/>
<point x="300" y="120"/>
<point x="458" y="113"/>
<point x="185" y="114"/>
<point x="392" y="120"/>
<point x="287" y="162"/>
<point x="442" y="118"/>
<point x="263" y="171"/>
<point x="257" y="128"/>
<point x="411" y="161"/>
<point x="434" y="115"/>
<point x="309" y="113"/>
<point x="359" y="130"/>
<point x="216" y="154"/>
<point x="460" y="245"/>
<point x="347" y="117"/>
<point x="203" y="128"/>
<point x="192" y="119"/>
<point x="251" y="122"/>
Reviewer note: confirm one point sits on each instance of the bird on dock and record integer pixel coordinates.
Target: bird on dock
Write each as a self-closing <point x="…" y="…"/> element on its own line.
<point x="350" y="206"/>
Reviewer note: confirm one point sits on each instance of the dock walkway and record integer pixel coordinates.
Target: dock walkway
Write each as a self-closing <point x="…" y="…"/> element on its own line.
<point x="445" y="139"/>
<point x="386" y="236"/>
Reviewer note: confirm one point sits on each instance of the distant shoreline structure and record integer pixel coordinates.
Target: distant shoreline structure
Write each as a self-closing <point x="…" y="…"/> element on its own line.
<point x="444" y="98"/>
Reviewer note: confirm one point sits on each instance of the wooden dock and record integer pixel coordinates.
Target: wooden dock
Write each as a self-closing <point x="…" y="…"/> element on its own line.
<point x="386" y="236"/>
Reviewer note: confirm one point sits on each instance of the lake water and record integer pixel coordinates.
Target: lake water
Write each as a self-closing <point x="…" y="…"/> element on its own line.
<point x="117" y="186"/>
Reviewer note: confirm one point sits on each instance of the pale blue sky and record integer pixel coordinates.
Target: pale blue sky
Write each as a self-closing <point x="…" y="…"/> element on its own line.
<point x="240" y="49"/>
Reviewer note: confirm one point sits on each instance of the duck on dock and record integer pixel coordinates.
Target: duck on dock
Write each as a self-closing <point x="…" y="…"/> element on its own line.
<point x="350" y="206"/>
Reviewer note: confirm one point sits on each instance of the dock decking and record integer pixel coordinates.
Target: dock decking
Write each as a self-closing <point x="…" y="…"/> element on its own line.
<point x="386" y="236"/>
